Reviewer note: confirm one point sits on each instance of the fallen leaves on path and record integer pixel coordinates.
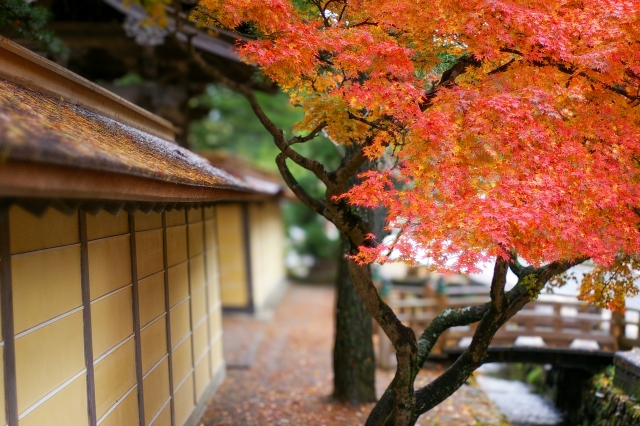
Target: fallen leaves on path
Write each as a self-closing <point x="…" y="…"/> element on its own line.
<point x="289" y="381"/>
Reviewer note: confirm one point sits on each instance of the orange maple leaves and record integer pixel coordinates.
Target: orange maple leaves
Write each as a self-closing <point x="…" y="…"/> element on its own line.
<point x="527" y="139"/>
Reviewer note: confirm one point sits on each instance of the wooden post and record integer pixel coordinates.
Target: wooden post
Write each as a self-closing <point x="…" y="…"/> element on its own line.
<point x="557" y="320"/>
<point x="584" y="325"/>
<point x="616" y="329"/>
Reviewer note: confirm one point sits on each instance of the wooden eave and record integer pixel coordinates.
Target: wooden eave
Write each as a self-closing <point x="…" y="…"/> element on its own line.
<point x="29" y="180"/>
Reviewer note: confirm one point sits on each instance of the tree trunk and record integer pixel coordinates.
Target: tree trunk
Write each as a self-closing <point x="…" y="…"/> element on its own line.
<point x="353" y="358"/>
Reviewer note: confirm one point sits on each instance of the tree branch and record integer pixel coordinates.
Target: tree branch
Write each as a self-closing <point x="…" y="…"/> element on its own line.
<point x="498" y="282"/>
<point x="278" y="137"/>
<point x="302" y="139"/>
<point x="348" y="167"/>
<point x="451" y="380"/>
<point x="515" y="266"/>
<point x="455" y="375"/>
<point x="532" y="281"/>
<point x="313" y="203"/>
<point x="448" y="78"/>
<point x="372" y="124"/>
<point x="564" y="68"/>
<point x="444" y="321"/>
<point x="529" y="285"/>
<point x="377" y="307"/>
<point x="270" y="126"/>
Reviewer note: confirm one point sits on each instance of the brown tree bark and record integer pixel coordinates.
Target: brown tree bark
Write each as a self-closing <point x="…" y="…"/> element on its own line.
<point x="353" y="357"/>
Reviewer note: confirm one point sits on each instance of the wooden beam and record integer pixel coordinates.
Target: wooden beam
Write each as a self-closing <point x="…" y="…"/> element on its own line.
<point x="246" y="233"/>
<point x="6" y="306"/>
<point x="86" y="317"/>
<point x="136" y="318"/>
<point x="167" y="308"/>
<point x="21" y="179"/>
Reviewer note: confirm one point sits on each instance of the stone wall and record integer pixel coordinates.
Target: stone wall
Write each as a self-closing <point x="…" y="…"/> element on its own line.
<point x="605" y="404"/>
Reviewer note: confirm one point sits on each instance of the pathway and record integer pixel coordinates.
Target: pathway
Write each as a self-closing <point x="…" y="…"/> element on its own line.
<point x="281" y="373"/>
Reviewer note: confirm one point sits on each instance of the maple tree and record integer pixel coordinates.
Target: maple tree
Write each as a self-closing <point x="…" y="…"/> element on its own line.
<point x="511" y="130"/>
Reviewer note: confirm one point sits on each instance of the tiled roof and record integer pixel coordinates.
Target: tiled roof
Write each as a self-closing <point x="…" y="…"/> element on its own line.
<point x="260" y="180"/>
<point x="41" y="129"/>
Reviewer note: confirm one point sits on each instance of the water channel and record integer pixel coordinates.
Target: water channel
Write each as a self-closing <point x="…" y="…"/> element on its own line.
<point x="518" y="403"/>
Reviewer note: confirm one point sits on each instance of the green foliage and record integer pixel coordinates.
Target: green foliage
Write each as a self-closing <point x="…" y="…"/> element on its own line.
<point x="28" y="21"/>
<point x="534" y="375"/>
<point x="129" y="79"/>
<point x="233" y="127"/>
<point x="447" y="61"/>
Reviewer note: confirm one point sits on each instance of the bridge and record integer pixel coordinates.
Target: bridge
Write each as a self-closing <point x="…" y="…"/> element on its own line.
<point x="553" y="329"/>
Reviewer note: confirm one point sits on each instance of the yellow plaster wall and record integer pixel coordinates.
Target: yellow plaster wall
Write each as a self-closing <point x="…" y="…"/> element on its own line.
<point x="233" y="278"/>
<point x="52" y="229"/>
<point x="147" y="221"/>
<point x="105" y="224"/>
<point x="67" y="407"/>
<point x="177" y="248"/>
<point x="153" y="313"/>
<point x="156" y="390"/>
<point x="149" y="252"/>
<point x="109" y="265"/>
<point x="163" y="417"/>
<point x="214" y="301"/>
<point x="178" y="233"/>
<point x="178" y="283"/>
<point x="182" y="363"/>
<point x="151" y="290"/>
<point x="124" y="413"/>
<point x="154" y="344"/>
<point x="48" y="357"/>
<point x="48" y="315"/>
<point x="111" y="321"/>
<point x="111" y="291"/>
<point x="267" y="249"/>
<point x="35" y="303"/>
<point x="47" y="302"/>
<point x="115" y="374"/>
<point x="217" y="356"/>
<point x="184" y="404"/>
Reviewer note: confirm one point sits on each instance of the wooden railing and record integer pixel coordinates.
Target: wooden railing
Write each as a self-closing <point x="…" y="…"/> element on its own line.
<point x="550" y="321"/>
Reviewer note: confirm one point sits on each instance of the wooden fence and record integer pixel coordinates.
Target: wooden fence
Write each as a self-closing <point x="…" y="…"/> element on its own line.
<point x="550" y="321"/>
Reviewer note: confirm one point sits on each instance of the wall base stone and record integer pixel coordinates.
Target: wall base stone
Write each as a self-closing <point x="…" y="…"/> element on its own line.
<point x="212" y="388"/>
<point x="605" y="404"/>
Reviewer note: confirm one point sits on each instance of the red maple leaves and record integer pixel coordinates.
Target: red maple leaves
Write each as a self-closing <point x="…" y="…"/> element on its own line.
<point x="508" y="124"/>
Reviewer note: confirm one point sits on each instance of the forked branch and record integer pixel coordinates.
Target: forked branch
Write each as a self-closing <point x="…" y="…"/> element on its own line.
<point x="502" y="307"/>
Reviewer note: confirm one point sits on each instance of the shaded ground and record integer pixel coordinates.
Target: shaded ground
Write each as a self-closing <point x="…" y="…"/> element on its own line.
<point x="280" y="373"/>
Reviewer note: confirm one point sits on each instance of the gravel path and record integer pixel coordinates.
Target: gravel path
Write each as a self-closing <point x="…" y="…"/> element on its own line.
<point x="281" y="373"/>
